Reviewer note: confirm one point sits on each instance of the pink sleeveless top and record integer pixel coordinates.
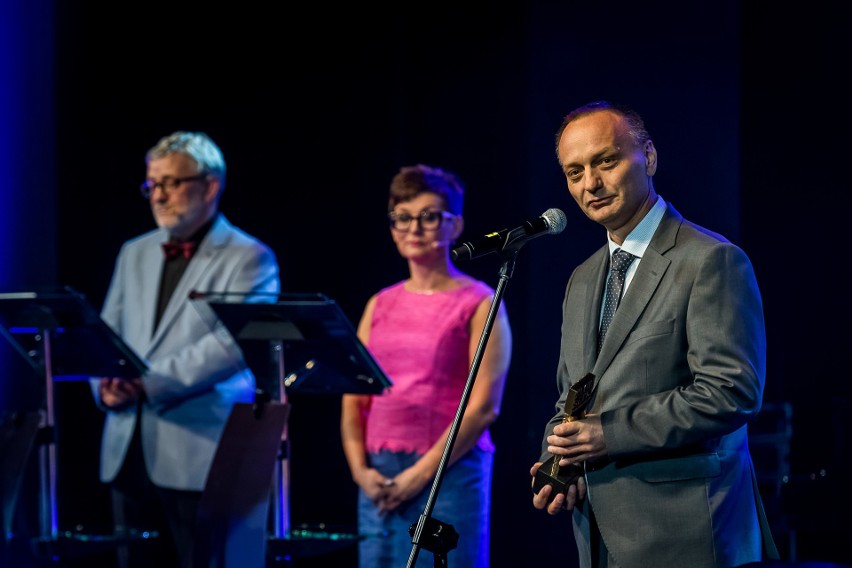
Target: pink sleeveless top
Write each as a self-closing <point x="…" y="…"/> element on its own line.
<point x="422" y="342"/>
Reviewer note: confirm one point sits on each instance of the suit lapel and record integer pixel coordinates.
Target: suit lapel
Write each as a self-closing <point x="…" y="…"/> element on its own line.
<point x="641" y="290"/>
<point x="151" y="274"/>
<point x="194" y="277"/>
<point x="650" y="272"/>
<point x="593" y="307"/>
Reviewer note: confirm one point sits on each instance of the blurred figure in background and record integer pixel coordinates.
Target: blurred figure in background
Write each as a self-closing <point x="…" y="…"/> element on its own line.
<point x="424" y="332"/>
<point x="161" y="429"/>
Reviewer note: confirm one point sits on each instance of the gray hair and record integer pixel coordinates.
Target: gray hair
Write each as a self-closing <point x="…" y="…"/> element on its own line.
<point x="197" y="146"/>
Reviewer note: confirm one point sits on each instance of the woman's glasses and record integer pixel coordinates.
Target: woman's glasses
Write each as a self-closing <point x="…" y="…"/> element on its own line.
<point x="429" y="220"/>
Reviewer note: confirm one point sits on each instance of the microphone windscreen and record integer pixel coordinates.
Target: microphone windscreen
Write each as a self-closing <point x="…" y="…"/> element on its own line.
<point x="556" y="220"/>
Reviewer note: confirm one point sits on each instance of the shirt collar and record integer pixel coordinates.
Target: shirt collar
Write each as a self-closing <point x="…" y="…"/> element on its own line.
<point x="640" y="237"/>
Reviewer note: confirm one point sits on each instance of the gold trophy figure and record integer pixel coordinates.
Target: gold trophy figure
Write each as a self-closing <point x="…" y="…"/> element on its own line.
<point x="550" y="472"/>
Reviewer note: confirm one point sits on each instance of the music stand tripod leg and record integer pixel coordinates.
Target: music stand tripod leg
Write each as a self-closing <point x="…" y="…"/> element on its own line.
<point x="48" y="517"/>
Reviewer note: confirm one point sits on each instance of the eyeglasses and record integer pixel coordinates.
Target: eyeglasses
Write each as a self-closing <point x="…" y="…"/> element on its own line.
<point x="429" y="220"/>
<point x="167" y="184"/>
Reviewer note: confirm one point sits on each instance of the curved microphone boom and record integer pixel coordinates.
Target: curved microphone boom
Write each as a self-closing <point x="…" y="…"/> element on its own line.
<point x="551" y="222"/>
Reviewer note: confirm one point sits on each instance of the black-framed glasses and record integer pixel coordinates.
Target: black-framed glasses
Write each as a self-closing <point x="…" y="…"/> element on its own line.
<point x="167" y="184"/>
<point x="428" y="219"/>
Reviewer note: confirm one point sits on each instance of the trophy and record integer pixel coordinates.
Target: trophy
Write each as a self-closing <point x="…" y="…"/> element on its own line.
<point x="550" y="472"/>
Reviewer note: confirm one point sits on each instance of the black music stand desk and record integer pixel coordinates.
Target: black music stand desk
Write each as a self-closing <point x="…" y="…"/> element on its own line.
<point x="323" y="356"/>
<point x="61" y="335"/>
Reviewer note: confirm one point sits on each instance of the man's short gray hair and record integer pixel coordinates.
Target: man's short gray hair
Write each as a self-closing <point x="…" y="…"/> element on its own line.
<point x="197" y="146"/>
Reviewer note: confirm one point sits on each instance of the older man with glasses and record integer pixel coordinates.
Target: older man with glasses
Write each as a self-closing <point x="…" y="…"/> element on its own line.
<point x="161" y="429"/>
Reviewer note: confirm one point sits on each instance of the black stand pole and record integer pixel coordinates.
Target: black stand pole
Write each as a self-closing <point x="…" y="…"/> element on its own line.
<point x="280" y="489"/>
<point x="429" y="533"/>
<point x="281" y="485"/>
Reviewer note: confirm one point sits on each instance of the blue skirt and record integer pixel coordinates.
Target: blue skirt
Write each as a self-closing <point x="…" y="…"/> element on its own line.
<point x="463" y="501"/>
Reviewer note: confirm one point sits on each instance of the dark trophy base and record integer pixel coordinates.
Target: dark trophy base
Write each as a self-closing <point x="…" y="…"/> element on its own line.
<point x="564" y="477"/>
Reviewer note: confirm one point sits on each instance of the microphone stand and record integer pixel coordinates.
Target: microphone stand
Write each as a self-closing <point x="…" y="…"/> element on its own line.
<point x="430" y="533"/>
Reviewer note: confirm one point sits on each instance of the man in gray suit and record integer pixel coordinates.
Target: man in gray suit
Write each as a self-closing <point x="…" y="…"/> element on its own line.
<point x="666" y="476"/>
<point x="161" y="429"/>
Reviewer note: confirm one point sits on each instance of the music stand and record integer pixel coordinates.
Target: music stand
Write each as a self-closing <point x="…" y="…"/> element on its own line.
<point x="231" y="524"/>
<point x="62" y="335"/>
<point x="324" y="356"/>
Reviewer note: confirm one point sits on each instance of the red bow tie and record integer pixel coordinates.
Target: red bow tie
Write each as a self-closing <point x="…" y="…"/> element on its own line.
<point x="172" y="249"/>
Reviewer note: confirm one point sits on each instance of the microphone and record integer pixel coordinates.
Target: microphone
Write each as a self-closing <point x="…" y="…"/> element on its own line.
<point x="551" y="222"/>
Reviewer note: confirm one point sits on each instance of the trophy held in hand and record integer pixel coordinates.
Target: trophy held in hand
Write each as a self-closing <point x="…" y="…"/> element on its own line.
<point x="550" y="472"/>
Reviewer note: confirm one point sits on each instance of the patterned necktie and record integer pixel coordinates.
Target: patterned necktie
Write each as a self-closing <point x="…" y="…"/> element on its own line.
<point x="620" y="263"/>
<point x="175" y="249"/>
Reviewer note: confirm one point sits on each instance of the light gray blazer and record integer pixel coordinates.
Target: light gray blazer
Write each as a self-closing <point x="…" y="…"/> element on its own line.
<point x="680" y="374"/>
<point x="197" y="371"/>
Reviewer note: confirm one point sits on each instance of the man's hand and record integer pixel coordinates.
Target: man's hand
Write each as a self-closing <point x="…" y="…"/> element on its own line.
<point x="117" y="394"/>
<point x="568" y="500"/>
<point x="578" y="440"/>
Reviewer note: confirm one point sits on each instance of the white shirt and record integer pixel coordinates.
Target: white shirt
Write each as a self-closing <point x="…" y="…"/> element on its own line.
<point x="637" y="241"/>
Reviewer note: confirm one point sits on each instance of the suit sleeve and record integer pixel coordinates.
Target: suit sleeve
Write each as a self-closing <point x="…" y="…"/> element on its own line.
<point x="726" y="347"/>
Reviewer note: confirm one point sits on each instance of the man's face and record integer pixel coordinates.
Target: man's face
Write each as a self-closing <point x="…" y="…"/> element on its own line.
<point x="608" y="176"/>
<point x="183" y="207"/>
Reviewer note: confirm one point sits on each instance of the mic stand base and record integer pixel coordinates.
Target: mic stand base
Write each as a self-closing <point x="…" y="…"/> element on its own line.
<point x="436" y="537"/>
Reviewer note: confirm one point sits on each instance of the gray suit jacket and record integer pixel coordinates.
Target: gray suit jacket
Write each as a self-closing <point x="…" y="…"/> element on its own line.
<point x="679" y="376"/>
<point x="197" y="371"/>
